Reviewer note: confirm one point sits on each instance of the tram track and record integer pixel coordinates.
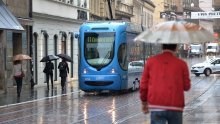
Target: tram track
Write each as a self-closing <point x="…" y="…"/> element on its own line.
<point x="109" y="111"/>
<point x="195" y="102"/>
<point x="24" y="107"/>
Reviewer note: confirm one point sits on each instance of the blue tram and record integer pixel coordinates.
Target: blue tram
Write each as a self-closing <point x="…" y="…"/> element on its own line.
<point x="109" y="59"/>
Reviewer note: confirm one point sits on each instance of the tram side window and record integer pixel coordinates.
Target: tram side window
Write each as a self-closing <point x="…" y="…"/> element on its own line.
<point x="122" y="56"/>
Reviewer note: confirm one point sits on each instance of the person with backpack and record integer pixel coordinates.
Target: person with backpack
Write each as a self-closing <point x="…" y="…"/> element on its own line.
<point x="64" y="69"/>
<point x="48" y="70"/>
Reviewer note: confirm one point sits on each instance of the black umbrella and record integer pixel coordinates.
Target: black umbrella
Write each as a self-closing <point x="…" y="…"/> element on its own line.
<point x="49" y="58"/>
<point x="65" y="57"/>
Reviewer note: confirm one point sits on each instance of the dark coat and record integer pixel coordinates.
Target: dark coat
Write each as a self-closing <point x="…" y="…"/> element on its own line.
<point x="48" y="68"/>
<point x="63" y="72"/>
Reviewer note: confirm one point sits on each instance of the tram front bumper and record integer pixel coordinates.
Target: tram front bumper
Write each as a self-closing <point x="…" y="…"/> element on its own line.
<point x="100" y="82"/>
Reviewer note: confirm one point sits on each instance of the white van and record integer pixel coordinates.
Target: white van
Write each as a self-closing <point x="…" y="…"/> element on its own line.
<point x="196" y="50"/>
<point x="212" y="48"/>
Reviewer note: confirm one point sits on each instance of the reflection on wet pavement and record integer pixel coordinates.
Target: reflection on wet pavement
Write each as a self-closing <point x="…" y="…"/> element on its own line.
<point x="38" y="93"/>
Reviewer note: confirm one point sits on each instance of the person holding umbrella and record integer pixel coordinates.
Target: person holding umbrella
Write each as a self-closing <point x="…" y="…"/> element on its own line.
<point x="48" y="70"/>
<point x="18" y="75"/>
<point x="164" y="80"/>
<point x="17" y="70"/>
<point x="64" y="69"/>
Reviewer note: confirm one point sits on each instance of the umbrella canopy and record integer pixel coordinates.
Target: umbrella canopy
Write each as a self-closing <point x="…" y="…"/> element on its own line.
<point x="21" y="57"/>
<point x="65" y="57"/>
<point x="49" y="58"/>
<point x="175" y="32"/>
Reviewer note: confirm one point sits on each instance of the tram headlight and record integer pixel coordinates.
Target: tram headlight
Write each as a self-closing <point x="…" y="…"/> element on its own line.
<point x="113" y="71"/>
<point x="85" y="71"/>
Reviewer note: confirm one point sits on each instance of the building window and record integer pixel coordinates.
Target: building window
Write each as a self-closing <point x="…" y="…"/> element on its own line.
<point x="81" y="15"/>
<point x="79" y="3"/>
<point x="85" y="4"/>
<point x="45" y="40"/>
<point x="122" y="51"/>
<point x="71" y="1"/>
<point x="63" y="42"/>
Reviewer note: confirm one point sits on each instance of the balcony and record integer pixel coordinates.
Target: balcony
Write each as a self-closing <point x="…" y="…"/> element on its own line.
<point x="124" y="10"/>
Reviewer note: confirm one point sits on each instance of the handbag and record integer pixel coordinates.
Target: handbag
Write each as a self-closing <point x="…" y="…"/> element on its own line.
<point x="22" y="74"/>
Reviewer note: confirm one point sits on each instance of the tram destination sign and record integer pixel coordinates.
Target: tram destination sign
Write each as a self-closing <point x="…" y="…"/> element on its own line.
<point x="205" y="15"/>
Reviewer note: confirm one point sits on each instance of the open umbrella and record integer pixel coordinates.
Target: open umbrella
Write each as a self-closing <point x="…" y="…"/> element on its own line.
<point x="66" y="57"/>
<point x="175" y="32"/>
<point x="21" y="57"/>
<point x="49" y="58"/>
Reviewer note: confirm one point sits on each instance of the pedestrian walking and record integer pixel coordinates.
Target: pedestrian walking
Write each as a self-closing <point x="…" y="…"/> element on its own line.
<point x="48" y="70"/>
<point x="164" y="80"/>
<point x="18" y="75"/>
<point x="64" y="69"/>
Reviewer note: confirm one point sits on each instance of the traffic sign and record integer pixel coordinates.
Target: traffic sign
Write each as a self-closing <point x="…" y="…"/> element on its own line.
<point x="205" y="15"/>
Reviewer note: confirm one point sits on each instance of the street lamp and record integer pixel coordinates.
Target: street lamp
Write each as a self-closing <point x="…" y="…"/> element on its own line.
<point x="192" y="4"/>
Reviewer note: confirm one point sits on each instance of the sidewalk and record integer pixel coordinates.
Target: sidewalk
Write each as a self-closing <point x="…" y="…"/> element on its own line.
<point x="39" y="92"/>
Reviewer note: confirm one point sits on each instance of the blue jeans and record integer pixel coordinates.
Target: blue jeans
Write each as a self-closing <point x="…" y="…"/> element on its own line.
<point x="166" y="117"/>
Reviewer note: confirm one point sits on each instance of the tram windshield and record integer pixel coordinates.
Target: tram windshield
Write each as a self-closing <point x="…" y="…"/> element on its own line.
<point x="98" y="49"/>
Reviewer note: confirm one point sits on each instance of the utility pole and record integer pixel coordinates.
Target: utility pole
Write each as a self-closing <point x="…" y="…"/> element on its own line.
<point x="110" y="8"/>
<point x="142" y="27"/>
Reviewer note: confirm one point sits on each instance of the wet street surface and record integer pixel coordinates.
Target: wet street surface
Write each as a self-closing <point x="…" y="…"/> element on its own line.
<point x="74" y="106"/>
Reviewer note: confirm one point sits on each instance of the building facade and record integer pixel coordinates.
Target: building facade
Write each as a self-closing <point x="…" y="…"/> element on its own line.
<point x="175" y="9"/>
<point x="216" y="25"/>
<point x="136" y="11"/>
<point x="124" y="9"/>
<point x="98" y="10"/>
<point x="104" y="9"/>
<point x="160" y="6"/>
<point x="55" y="24"/>
<point x="206" y="6"/>
<point x="190" y="6"/>
<point x="15" y="42"/>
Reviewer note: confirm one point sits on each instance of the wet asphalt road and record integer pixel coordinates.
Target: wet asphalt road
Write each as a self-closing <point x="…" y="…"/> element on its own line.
<point x="74" y="106"/>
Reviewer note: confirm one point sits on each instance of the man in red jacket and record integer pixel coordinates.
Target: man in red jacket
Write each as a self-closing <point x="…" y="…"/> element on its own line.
<point x="164" y="80"/>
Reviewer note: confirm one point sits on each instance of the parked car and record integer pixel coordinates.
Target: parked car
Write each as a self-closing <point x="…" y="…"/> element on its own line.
<point x="136" y="64"/>
<point x="135" y="69"/>
<point x="210" y="66"/>
<point x="212" y="48"/>
<point x="196" y="50"/>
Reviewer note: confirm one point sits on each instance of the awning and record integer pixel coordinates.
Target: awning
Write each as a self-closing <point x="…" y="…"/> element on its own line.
<point x="7" y="19"/>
